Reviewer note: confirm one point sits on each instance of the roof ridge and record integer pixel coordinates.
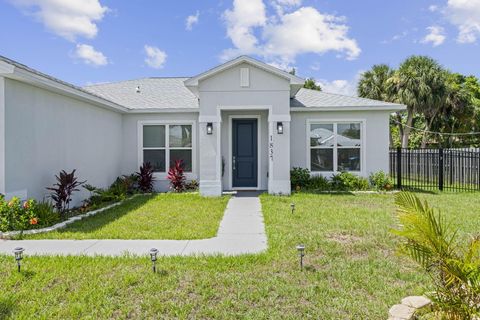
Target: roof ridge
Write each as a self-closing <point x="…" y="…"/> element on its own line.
<point x="348" y="96"/>
<point x="132" y="80"/>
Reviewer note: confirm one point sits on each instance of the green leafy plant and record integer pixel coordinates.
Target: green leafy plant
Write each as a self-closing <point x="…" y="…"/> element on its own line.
<point x="145" y="178"/>
<point x="45" y="213"/>
<point x="17" y="215"/>
<point x="299" y="178"/>
<point x="67" y="184"/>
<point x="318" y="183"/>
<point x="453" y="267"/>
<point x="381" y="181"/>
<point x="192" y="185"/>
<point x="347" y="181"/>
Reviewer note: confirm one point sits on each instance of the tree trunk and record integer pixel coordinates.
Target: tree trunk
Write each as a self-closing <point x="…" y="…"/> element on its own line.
<point x="407" y="129"/>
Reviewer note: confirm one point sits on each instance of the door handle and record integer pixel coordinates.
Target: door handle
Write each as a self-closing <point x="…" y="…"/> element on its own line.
<point x="233" y="163"/>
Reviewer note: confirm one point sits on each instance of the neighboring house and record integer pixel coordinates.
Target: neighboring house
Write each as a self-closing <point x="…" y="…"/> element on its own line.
<point x="241" y="125"/>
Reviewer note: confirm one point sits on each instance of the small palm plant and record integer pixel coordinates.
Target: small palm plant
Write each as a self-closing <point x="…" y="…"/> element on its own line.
<point x="455" y="270"/>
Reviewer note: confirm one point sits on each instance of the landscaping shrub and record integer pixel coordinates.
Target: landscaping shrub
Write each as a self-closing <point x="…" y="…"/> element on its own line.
<point x="119" y="190"/>
<point x="318" y="183"/>
<point x="453" y="267"/>
<point x="299" y="178"/>
<point x="62" y="191"/>
<point x="17" y="215"/>
<point x="176" y="176"/>
<point x="347" y="181"/>
<point x="192" y="185"/>
<point x="45" y="213"/>
<point x="145" y="178"/>
<point x="381" y="181"/>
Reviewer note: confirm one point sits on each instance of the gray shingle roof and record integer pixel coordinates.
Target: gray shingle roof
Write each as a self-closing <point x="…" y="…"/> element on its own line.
<point x="155" y="93"/>
<point x="306" y="98"/>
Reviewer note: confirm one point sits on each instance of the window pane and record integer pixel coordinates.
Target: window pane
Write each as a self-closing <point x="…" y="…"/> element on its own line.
<point x="156" y="159"/>
<point x="181" y="136"/>
<point x="185" y="156"/>
<point x="153" y="136"/>
<point x="321" y="135"/>
<point x="349" y="159"/>
<point x="321" y="159"/>
<point x="348" y="134"/>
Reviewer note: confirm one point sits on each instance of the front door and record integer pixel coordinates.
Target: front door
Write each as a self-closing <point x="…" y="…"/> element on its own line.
<point x="244" y="153"/>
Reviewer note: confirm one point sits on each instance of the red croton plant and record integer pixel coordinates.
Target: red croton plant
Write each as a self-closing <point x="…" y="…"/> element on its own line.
<point x="176" y="176"/>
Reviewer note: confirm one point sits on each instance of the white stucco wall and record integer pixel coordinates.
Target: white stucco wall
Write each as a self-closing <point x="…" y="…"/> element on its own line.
<point x="376" y="140"/>
<point x="46" y="132"/>
<point x="223" y="92"/>
<point x="131" y="147"/>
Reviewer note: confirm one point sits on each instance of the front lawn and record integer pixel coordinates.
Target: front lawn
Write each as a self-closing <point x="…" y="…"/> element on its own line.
<point x="352" y="270"/>
<point x="161" y="216"/>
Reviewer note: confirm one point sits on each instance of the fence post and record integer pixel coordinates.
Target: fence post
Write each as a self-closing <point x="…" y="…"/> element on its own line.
<point x="440" y="169"/>
<point x="399" y="167"/>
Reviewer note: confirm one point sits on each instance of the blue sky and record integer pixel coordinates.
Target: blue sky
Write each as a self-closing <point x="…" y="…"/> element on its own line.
<point x="92" y="41"/>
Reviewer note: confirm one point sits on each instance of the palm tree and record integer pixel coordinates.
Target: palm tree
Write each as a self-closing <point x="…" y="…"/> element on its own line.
<point x="419" y="83"/>
<point x="373" y="85"/>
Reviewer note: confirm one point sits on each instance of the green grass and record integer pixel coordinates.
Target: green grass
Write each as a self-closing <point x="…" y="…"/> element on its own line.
<point x="352" y="270"/>
<point x="162" y="216"/>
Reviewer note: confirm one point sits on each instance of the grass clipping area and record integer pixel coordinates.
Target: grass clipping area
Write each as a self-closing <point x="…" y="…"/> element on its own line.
<point x="351" y="269"/>
<point x="162" y="216"/>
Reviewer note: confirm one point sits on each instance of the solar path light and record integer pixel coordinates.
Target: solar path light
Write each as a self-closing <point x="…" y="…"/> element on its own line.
<point x="292" y="206"/>
<point x="18" y="256"/>
<point x="153" y="257"/>
<point x="301" y="254"/>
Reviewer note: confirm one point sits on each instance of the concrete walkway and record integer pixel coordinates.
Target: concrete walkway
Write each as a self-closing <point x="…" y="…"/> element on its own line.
<point x="241" y="232"/>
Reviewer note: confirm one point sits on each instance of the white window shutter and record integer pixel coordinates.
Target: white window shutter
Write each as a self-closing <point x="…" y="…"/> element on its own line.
<point x="244" y="77"/>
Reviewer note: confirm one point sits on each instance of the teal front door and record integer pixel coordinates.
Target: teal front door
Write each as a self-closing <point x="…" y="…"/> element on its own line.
<point x="244" y="153"/>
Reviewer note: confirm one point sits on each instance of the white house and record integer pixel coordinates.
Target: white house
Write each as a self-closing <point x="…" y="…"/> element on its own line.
<point x="241" y="125"/>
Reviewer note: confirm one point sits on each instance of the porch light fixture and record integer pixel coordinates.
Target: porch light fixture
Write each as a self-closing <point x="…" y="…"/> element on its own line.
<point x="292" y="206"/>
<point x="18" y="256"/>
<point x="209" y="128"/>
<point x="279" y="127"/>
<point x="153" y="257"/>
<point x="301" y="254"/>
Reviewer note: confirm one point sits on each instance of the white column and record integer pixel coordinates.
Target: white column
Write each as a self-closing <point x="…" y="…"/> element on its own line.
<point x="279" y="156"/>
<point x="210" y="169"/>
<point x="2" y="137"/>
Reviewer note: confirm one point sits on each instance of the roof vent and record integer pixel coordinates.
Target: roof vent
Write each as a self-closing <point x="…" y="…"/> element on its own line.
<point x="137" y="90"/>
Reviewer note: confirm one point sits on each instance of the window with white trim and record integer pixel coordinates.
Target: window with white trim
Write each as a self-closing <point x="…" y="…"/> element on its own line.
<point x="335" y="146"/>
<point x="165" y="143"/>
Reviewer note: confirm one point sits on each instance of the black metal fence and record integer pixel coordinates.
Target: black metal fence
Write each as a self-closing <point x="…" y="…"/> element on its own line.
<point x="436" y="169"/>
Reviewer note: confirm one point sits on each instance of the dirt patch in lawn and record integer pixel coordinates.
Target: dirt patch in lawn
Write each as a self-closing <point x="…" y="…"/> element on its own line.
<point x="343" y="238"/>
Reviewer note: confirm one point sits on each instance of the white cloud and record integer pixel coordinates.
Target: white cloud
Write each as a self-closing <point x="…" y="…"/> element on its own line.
<point x="465" y="15"/>
<point x="89" y="55"/>
<point x="435" y="36"/>
<point x="291" y="3"/>
<point x="344" y="87"/>
<point x="433" y="8"/>
<point x="68" y="19"/>
<point x="192" y="20"/>
<point x="246" y="15"/>
<point x="285" y="36"/>
<point x="155" y="57"/>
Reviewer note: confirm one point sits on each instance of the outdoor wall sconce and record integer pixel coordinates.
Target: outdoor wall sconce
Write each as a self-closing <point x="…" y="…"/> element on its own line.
<point x="292" y="206"/>
<point x="279" y="127"/>
<point x="209" y="128"/>
<point x="153" y="257"/>
<point x="18" y="256"/>
<point x="301" y="254"/>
